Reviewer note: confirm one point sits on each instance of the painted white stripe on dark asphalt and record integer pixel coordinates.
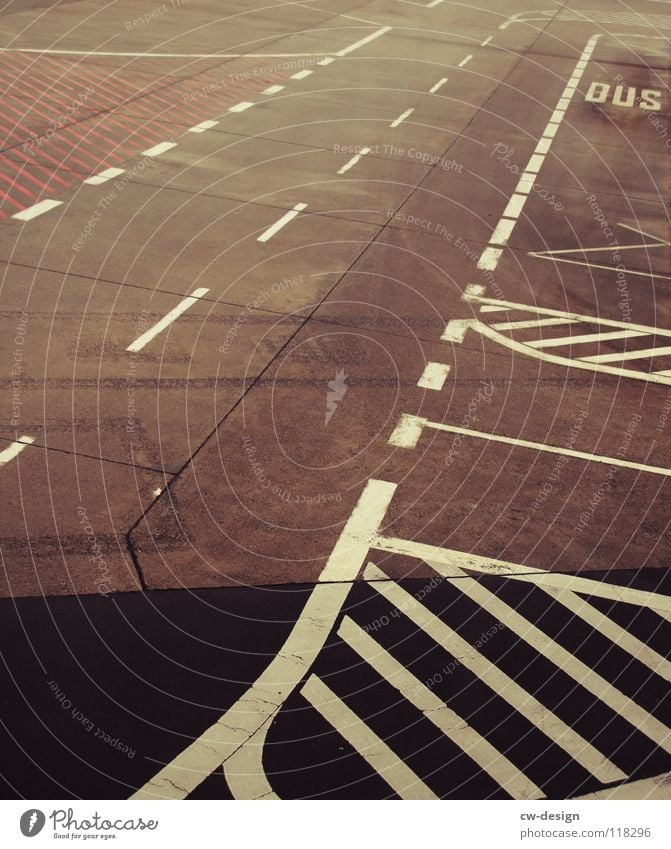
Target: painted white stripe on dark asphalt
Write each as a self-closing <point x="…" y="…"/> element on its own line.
<point x="453" y="726"/>
<point x="15" y="448"/>
<point x="353" y="161"/>
<point x="402" y="780"/>
<point x="486" y="41"/>
<point x="203" y="126"/>
<point x="466" y="60"/>
<point x="273" y="89"/>
<point x="585" y="338"/>
<point x="104" y="176"/>
<point x="434" y="376"/>
<point x="532" y="323"/>
<point x="498" y="681"/>
<point x="301" y="75"/>
<point x="327" y="60"/>
<point x="357" y="44"/>
<point x="158" y="149"/>
<point x="402" y="117"/>
<point x="37" y="209"/>
<point x="438" y="85"/>
<point x="167" y="320"/>
<point x="283" y="221"/>
<point x="240" y="107"/>
<point x="623" y="356"/>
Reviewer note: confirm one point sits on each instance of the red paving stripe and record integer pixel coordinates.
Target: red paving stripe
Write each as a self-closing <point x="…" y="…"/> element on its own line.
<point x="19" y="167"/>
<point x="13" y="184"/>
<point x="9" y="199"/>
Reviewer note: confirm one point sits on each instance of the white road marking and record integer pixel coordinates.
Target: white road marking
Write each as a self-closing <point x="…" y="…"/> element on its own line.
<point x="570" y="665"/>
<point x="441" y="82"/>
<point x="15" y="448"/>
<point x="346" y="167"/>
<point x="353" y="161"/>
<point x="327" y="60"/>
<point x="658" y="787"/>
<point x="158" y="149"/>
<point x="283" y="221"/>
<point x="357" y="44"/>
<point x="203" y="126"/>
<point x="104" y="176"/>
<point x="498" y="681"/>
<point x="624" y="356"/>
<point x="167" y="320"/>
<point x="433" y="4"/>
<point x="401" y="118"/>
<point x="585" y="339"/>
<point x="273" y="89"/>
<point x="37" y="209"/>
<point x="486" y="41"/>
<point x="240" y="107"/>
<point x="456" y="729"/>
<point x="464" y="61"/>
<point x="402" y="780"/>
<point x="491" y="255"/>
<point x="532" y="323"/>
<point x="408" y="430"/>
<point x="301" y="75"/>
<point x="434" y="376"/>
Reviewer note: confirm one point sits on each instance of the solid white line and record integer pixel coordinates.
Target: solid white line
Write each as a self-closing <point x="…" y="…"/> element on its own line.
<point x="283" y="221"/>
<point x="273" y="89"/>
<point x="402" y="780"/>
<point x="353" y="161"/>
<point x="489" y="308"/>
<point x="434" y="376"/>
<point x="203" y="126"/>
<point x="454" y="727"/>
<point x="570" y="665"/>
<point x="158" y="149"/>
<point x="486" y="41"/>
<point x="301" y="75"/>
<point x="405" y="435"/>
<point x="464" y="61"/>
<point x="104" y="176"/>
<point x="167" y="320"/>
<point x="240" y="107"/>
<point x="628" y="355"/>
<point x="402" y="117"/>
<point x="363" y="41"/>
<point x="438" y="85"/>
<point x="37" y="209"/>
<point x="15" y="448"/>
<point x="585" y="338"/>
<point x="523" y="325"/>
<point x="498" y="681"/>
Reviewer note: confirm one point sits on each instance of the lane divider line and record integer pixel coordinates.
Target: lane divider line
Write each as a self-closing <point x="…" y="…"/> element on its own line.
<point x="401" y="118"/>
<point x="158" y="149"/>
<point x="438" y="85"/>
<point x="273" y="89"/>
<point x="166" y="321"/>
<point x="357" y="44"/>
<point x="301" y="75"/>
<point x="37" y="209"/>
<point x="465" y="61"/>
<point x="15" y="448"/>
<point x="283" y="221"/>
<point x="353" y="161"/>
<point x="240" y="107"/>
<point x="489" y="259"/>
<point x="104" y="176"/>
<point x="203" y="126"/>
<point x="486" y="41"/>
<point x="326" y="60"/>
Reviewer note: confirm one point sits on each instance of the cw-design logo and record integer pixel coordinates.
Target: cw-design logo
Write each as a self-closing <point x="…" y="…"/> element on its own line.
<point x="32" y="822"/>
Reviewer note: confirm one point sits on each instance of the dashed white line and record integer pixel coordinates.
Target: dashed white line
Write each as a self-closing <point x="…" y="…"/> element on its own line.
<point x="433" y="4"/>
<point x="203" y="126"/>
<point x="438" y="85"/>
<point x="353" y="161"/>
<point x="104" y="176"/>
<point x="361" y="42"/>
<point x="37" y="209"/>
<point x="158" y="149"/>
<point x="326" y="60"/>
<point x="301" y="75"/>
<point x="401" y="118"/>
<point x="434" y="376"/>
<point x="15" y="448"/>
<point x="489" y="259"/>
<point x="167" y="320"/>
<point x="240" y="107"/>
<point x="486" y="41"/>
<point x="273" y="89"/>
<point x="283" y="221"/>
<point x="465" y="61"/>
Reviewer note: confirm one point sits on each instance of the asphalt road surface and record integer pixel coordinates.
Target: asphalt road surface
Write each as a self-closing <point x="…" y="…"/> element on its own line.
<point x="336" y="382"/>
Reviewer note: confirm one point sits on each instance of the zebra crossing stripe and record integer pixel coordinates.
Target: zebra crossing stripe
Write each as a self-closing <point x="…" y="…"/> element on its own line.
<point x="505" y="687"/>
<point x="617" y="701"/>
<point x="402" y="780"/>
<point x="456" y="729"/>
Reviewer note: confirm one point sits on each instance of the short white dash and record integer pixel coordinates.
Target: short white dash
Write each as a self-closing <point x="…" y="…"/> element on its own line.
<point x="515" y="206"/>
<point x="15" y="448"/>
<point x="37" y="209"/>
<point x="486" y="41"/>
<point x="158" y="149"/>
<point x="543" y="146"/>
<point x="300" y="75"/>
<point x="434" y="376"/>
<point x="489" y="259"/>
<point x="327" y="60"/>
<point x="434" y="3"/>
<point x="167" y="320"/>
<point x="283" y="221"/>
<point x="503" y="231"/>
<point x="240" y="107"/>
<point x="273" y="89"/>
<point x="363" y="41"/>
<point x="535" y="163"/>
<point x="103" y="176"/>
<point x="438" y="85"/>
<point x="353" y="161"/>
<point x="464" y="61"/>
<point x="203" y="126"/>
<point x="401" y="118"/>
